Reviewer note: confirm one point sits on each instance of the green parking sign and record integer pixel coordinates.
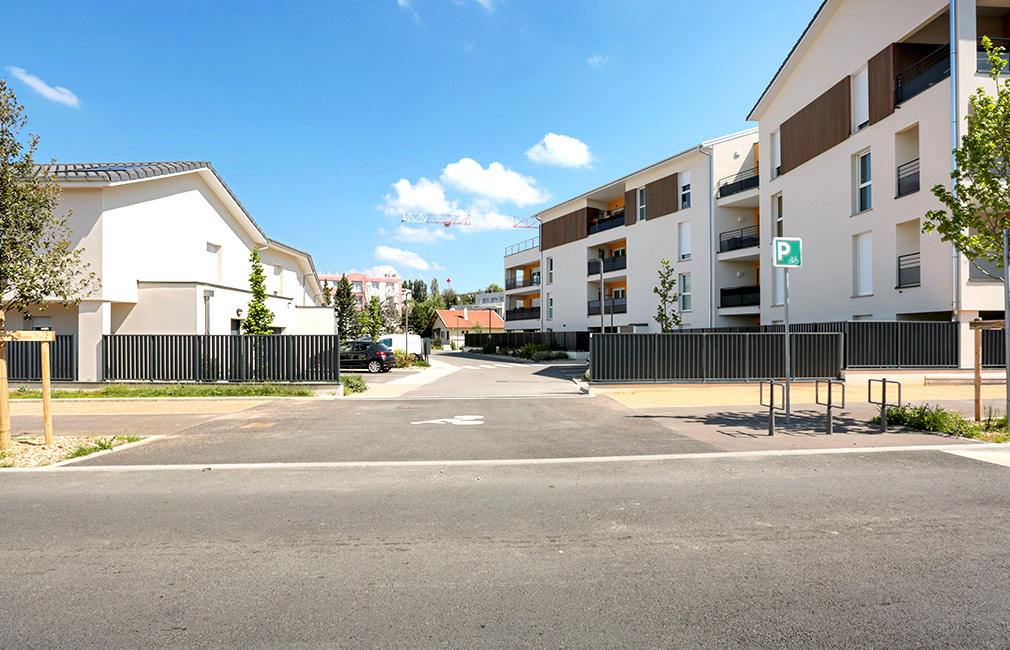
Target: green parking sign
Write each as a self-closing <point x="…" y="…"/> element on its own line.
<point x="787" y="252"/>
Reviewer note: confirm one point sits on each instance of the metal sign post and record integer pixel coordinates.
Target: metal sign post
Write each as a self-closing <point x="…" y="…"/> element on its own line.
<point x="787" y="254"/>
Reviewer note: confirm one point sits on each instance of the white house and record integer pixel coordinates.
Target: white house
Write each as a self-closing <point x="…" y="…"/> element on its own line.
<point x="171" y="244"/>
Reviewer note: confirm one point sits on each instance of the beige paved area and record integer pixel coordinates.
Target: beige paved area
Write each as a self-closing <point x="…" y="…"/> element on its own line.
<point x="671" y="395"/>
<point x="136" y="406"/>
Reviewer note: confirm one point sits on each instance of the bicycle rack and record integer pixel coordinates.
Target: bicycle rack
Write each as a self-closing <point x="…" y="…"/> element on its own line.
<point x="772" y="407"/>
<point x="829" y="385"/>
<point x="883" y="403"/>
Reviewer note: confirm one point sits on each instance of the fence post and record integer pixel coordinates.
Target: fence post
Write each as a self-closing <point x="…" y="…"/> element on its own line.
<point x="197" y="358"/>
<point x="150" y="358"/>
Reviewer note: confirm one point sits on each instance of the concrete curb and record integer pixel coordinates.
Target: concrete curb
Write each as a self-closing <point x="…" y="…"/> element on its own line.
<point x="96" y="454"/>
<point x="518" y="360"/>
<point x="236" y="398"/>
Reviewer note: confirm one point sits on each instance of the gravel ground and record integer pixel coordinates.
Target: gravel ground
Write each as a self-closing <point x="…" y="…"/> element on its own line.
<point x="33" y="452"/>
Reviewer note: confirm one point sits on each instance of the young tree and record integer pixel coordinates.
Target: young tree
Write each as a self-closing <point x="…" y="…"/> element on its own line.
<point x="344" y="303"/>
<point x="327" y="294"/>
<point x="258" y="317"/>
<point x="976" y="220"/>
<point x="434" y="287"/>
<point x="666" y="314"/>
<point x="420" y="317"/>
<point x="418" y="289"/>
<point x="450" y="298"/>
<point x="370" y="318"/>
<point x="477" y="328"/>
<point x="493" y="288"/>
<point x="389" y="315"/>
<point x="38" y="262"/>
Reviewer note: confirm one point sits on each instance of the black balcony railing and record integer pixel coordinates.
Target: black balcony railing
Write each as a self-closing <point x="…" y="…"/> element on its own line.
<point x="733" y="240"/>
<point x="745" y="180"/>
<point x="615" y="263"/>
<point x="606" y="223"/>
<point x="522" y="313"/>
<point x="924" y="74"/>
<point x="983" y="56"/>
<point x="522" y="246"/>
<point x="740" y="296"/>
<point x="908" y="270"/>
<point x="518" y="283"/>
<point x="615" y="306"/>
<point x="908" y="177"/>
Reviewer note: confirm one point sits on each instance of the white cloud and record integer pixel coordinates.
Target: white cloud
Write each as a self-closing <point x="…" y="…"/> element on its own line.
<point x="54" y="93"/>
<point x="487" y="4"/>
<point x="494" y="183"/>
<point x="406" y="4"/>
<point x="429" y="235"/>
<point x="597" y="60"/>
<point x="424" y="196"/>
<point x="404" y="258"/>
<point x="560" y="150"/>
<point x="380" y="271"/>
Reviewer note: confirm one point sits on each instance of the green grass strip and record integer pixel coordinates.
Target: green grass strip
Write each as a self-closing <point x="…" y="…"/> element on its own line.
<point x="172" y="390"/>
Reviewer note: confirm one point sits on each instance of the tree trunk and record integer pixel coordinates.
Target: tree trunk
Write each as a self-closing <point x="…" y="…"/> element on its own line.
<point x="5" y="404"/>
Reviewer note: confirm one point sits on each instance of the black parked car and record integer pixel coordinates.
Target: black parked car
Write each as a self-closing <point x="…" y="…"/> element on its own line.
<point x="369" y="355"/>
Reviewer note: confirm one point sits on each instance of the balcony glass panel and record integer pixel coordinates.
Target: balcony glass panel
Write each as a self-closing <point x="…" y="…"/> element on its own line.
<point x="733" y="240"/>
<point x="748" y="296"/>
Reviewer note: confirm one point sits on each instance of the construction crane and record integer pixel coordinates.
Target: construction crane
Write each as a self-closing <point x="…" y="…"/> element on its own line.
<point x="460" y="219"/>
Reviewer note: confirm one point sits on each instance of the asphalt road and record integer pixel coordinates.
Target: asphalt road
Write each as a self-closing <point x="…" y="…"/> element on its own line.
<point x="874" y="550"/>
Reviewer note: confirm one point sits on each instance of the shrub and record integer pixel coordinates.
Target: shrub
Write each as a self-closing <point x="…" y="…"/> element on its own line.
<point x="436" y="344"/>
<point x="404" y="360"/>
<point x="527" y="351"/>
<point x="490" y="348"/>
<point x="928" y="417"/>
<point x="421" y="362"/>
<point x="452" y="344"/>
<point x="586" y="376"/>
<point x="353" y="384"/>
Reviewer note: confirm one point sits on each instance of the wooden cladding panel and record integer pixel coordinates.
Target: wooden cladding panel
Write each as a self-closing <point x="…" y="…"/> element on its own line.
<point x="817" y="127"/>
<point x="880" y="71"/>
<point x="630" y="207"/>
<point x="565" y="229"/>
<point x="661" y="197"/>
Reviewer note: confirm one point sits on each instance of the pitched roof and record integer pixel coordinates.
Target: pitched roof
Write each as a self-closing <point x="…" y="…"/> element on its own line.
<point x="118" y="172"/>
<point x="453" y="319"/>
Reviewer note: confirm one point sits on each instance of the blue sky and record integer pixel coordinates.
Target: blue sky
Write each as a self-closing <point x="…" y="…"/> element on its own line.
<point x="329" y="119"/>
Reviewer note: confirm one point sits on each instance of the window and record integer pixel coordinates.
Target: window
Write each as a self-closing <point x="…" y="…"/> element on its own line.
<point x="860" y="100"/>
<point x="685" y="291"/>
<point x="684" y="240"/>
<point x="776" y="154"/>
<point x="777" y="213"/>
<point x="863" y="178"/>
<point x="685" y="190"/>
<point x="550" y="270"/>
<point x="862" y="264"/>
<point x="619" y="252"/>
<point x="641" y="204"/>
<point x="620" y="293"/>
<point x="550" y="307"/>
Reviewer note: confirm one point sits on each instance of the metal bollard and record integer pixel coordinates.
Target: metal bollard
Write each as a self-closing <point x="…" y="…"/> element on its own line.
<point x="771" y="402"/>
<point x="883" y="403"/>
<point x="830" y="403"/>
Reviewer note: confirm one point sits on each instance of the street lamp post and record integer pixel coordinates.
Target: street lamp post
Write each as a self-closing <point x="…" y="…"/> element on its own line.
<point x="407" y="295"/>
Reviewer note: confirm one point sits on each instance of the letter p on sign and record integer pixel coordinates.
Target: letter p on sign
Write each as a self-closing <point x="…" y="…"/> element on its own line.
<point x="788" y="252"/>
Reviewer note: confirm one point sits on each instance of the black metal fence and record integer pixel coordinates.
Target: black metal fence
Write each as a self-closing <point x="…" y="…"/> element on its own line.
<point x="878" y="344"/>
<point x="237" y="358"/>
<point x="924" y="74"/>
<point x="24" y="359"/>
<point x="568" y="341"/>
<point x="993" y="349"/>
<point x="640" y="358"/>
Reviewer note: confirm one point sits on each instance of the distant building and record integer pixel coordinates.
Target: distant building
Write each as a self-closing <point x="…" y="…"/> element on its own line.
<point x="364" y="287"/>
<point x="452" y="326"/>
<point x="493" y="301"/>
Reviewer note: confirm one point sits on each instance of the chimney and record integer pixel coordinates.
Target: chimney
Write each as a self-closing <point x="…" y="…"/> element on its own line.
<point x="464" y="314"/>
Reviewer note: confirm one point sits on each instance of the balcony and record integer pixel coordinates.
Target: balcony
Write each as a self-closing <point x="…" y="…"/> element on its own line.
<point x="522" y="313"/>
<point x="983" y="56"/>
<point x="522" y="246"/>
<point x="923" y="75"/>
<point x="734" y="240"/>
<point x="908" y="271"/>
<point x="615" y="306"/>
<point x="606" y="223"/>
<point x="745" y="180"/>
<point x="908" y="177"/>
<point x="519" y="283"/>
<point x="615" y="263"/>
<point x="749" y="296"/>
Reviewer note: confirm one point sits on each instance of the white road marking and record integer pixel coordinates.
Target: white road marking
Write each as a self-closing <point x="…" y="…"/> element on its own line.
<point x="437" y="370"/>
<point x="492" y="367"/>
<point x="471" y="367"/>
<point x="461" y="420"/>
<point x="506" y="462"/>
<point x="996" y="456"/>
<point x="505" y="365"/>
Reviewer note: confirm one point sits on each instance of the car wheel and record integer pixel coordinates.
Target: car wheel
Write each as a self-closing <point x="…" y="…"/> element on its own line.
<point x="374" y="366"/>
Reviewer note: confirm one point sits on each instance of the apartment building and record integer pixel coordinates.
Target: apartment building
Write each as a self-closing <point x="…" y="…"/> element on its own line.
<point x="364" y="287"/>
<point x="859" y="123"/>
<point x="698" y="209"/>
